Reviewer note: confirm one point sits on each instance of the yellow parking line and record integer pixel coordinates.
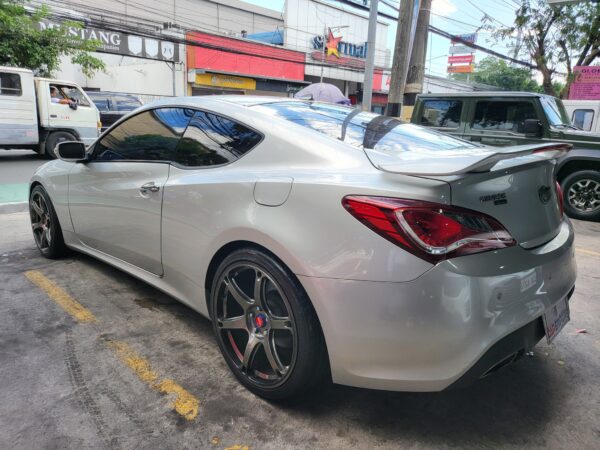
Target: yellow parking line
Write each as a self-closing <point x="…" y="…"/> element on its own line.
<point x="185" y="403"/>
<point x="587" y="252"/>
<point x="60" y="297"/>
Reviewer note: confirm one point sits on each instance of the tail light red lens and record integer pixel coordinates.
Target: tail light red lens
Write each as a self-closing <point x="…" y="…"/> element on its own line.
<point x="561" y="199"/>
<point x="431" y="231"/>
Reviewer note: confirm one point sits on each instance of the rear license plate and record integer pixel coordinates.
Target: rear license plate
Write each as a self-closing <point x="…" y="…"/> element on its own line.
<point x="555" y="318"/>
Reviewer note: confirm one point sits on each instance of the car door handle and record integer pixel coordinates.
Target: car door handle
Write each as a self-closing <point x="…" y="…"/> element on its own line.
<point x="149" y="187"/>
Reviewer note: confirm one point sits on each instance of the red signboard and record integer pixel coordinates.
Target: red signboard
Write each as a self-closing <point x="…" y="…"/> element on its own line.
<point x="586" y="83"/>
<point x="467" y="68"/>
<point x="225" y="54"/>
<point x="461" y="59"/>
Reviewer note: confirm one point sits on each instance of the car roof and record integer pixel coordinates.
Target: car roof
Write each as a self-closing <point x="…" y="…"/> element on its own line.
<point x="207" y="100"/>
<point x="479" y="94"/>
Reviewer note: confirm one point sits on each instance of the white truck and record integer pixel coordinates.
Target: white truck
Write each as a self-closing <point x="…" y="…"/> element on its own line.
<point x="38" y="113"/>
<point x="584" y="114"/>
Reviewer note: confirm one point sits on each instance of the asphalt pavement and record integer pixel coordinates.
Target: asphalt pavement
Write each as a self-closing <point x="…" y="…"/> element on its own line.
<point x="93" y="358"/>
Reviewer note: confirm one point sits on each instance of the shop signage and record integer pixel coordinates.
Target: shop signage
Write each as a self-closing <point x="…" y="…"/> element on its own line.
<point x="461" y="59"/>
<point x="471" y="37"/>
<point x="228" y="81"/>
<point x="122" y="43"/>
<point x="466" y="68"/>
<point x="460" y="49"/>
<point x="335" y="46"/>
<point x="586" y="83"/>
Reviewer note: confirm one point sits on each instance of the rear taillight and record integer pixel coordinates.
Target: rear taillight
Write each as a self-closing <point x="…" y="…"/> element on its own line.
<point x="561" y="199"/>
<point x="431" y="231"/>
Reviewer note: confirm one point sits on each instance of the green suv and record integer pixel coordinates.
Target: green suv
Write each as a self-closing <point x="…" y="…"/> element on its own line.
<point x="516" y="118"/>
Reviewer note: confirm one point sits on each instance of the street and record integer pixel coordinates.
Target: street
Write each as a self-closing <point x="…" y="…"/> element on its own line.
<point x="92" y="358"/>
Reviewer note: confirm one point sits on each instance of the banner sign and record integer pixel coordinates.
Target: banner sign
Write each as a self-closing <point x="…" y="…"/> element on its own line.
<point x="471" y="37"/>
<point x="228" y="81"/>
<point x="461" y="59"/>
<point x="122" y="43"/>
<point x="460" y="49"/>
<point x="586" y="83"/>
<point x="467" y="68"/>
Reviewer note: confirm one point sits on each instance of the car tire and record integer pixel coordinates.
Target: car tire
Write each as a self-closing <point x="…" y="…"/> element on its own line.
<point x="581" y="192"/>
<point x="266" y="327"/>
<point x="47" y="232"/>
<point x="54" y="139"/>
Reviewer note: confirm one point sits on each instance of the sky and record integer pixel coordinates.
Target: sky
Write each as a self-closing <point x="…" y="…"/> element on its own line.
<point x="453" y="16"/>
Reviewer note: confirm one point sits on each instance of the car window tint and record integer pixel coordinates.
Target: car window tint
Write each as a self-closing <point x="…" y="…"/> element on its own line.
<point x="125" y="102"/>
<point x="503" y="116"/>
<point x="365" y="129"/>
<point x="583" y="118"/>
<point x="441" y="113"/>
<point x="150" y="136"/>
<point x="212" y="140"/>
<point x="10" y="84"/>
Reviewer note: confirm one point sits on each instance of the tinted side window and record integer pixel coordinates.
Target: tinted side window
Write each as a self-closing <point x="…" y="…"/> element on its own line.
<point x="503" y="116"/>
<point x="212" y="140"/>
<point x="583" y="118"/>
<point x="10" y="84"/>
<point x="150" y="136"/>
<point x="441" y="113"/>
<point x="125" y="102"/>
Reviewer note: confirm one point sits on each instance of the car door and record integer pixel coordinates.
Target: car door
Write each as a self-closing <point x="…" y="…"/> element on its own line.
<point x="443" y="114"/>
<point x="115" y="200"/>
<point x="82" y="117"/>
<point x="500" y="122"/>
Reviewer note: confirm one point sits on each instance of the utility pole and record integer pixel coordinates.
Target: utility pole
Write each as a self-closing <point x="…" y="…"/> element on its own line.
<point x="370" y="63"/>
<point x="405" y="33"/>
<point x="416" y="70"/>
<point x="324" y="57"/>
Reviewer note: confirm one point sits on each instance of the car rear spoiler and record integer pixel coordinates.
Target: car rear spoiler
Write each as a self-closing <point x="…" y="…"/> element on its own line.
<point x="460" y="162"/>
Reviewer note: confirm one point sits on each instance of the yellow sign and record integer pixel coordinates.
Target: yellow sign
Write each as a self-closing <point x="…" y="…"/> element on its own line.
<point x="228" y="81"/>
<point x="469" y="68"/>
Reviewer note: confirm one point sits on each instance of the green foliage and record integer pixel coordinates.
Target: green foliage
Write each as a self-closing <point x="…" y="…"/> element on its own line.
<point x="23" y="44"/>
<point x="555" y="38"/>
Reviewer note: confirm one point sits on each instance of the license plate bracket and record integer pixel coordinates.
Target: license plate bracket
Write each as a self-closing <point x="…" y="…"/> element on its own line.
<point x="555" y="318"/>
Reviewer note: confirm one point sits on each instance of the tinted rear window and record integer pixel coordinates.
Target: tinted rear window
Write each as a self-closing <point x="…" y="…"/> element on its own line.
<point x="441" y="113"/>
<point x="364" y="130"/>
<point x="125" y="102"/>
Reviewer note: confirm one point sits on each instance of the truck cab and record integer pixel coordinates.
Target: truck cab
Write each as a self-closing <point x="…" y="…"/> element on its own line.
<point x="517" y="118"/>
<point x="38" y="113"/>
<point x="584" y="114"/>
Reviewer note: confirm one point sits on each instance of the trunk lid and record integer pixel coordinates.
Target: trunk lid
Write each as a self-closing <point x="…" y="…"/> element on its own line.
<point x="514" y="185"/>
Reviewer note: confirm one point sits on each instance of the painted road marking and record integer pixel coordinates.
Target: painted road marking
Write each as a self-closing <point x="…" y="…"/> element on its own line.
<point x="14" y="193"/>
<point x="185" y="403"/>
<point x="587" y="252"/>
<point x="60" y="297"/>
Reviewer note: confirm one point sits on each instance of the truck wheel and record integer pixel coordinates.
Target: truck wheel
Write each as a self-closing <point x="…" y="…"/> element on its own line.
<point x="581" y="192"/>
<point x="53" y="140"/>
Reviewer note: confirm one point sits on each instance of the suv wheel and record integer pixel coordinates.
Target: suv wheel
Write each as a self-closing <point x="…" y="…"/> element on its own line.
<point x="582" y="195"/>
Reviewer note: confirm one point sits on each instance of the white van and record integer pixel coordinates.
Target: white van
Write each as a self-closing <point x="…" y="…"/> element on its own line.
<point x="38" y="113"/>
<point x="584" y="114"/>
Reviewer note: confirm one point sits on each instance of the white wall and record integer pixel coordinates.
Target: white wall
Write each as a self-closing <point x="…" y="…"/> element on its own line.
<point x="305" y="19"/>
<point x="128" y="74"/>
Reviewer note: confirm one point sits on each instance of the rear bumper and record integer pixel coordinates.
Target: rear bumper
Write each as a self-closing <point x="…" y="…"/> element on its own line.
<point x="450" y="323"/>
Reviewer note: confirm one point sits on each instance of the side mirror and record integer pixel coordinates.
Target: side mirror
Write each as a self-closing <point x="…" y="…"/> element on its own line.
<point x="532" y="127"/>
<point x="73" y="105"/>
<point x="71" y="151"/>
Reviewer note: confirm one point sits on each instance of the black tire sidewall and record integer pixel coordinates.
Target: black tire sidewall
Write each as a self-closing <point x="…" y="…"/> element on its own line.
<point x="57" y="247"/>
<point x="308" y="367"/>
<point x="566" y="185"/>
<point x="53" y="139"/>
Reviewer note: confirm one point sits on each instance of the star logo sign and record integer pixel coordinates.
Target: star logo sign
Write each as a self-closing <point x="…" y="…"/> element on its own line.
<point x="332" y="44"/>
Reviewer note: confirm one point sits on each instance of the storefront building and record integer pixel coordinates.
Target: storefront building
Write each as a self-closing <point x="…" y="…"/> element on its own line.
<point x="229" y="65"/>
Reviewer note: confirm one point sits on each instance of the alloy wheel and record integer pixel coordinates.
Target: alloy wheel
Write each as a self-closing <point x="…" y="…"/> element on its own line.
<point x="40" y="221"/>
<point x="584" y="195"/>
<point x="255" y="324"/>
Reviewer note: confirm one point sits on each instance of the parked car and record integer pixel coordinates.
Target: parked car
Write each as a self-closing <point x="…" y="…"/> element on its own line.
<point x="113" y="105"/>
<point x="323" y="243"/>
<point x="584" y="114"/>
<point x="38" y="113"/>
<point x="515" y="118"/>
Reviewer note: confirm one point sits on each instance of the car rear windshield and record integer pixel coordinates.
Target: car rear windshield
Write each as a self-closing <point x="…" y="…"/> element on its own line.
<point x="362" y="130"/>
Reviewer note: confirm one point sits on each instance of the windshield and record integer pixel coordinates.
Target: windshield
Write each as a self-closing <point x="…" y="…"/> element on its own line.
<point x="555" y="111"/>
<point x="363" y="130"/>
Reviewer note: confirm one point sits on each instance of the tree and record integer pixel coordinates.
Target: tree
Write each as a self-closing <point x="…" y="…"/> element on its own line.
<point x="23" y="44"/>
<point x="553" y="36"/>
<point x="496" y="72"/>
